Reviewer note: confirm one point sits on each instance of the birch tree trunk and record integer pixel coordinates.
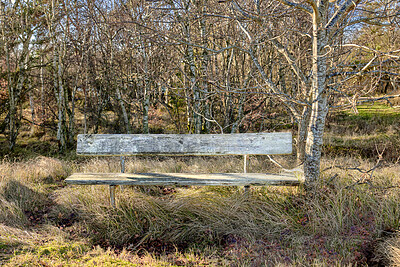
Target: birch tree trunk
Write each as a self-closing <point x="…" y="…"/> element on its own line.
<point x="319" y="108"/>
<point x="11" y="99"/>
<point x="42" y="113"/>
<point x="197" y="122"/>
<point x="204" y="68"/>
<point x="16" y="78"/>
<point x="329" y="20"/>
<point x="146" y="89"/>
<point x="33" y="117"/>
<point x="193" y="83"/>
<point x="71" y="116"/>
<point x="302" y="133"/>
<point x="59" y="92"/>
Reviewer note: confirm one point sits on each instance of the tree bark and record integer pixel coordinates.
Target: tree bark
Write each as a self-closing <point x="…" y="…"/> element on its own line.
<point x="123" y="109"/>
<point x="319" y="108"/>
<point x="302" y="132"/>
<point x="59" y="92"/>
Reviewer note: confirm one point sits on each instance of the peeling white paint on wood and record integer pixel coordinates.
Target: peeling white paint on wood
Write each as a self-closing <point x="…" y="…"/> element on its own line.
<point x="222" y="179"/>
<point x="185" y="144"/>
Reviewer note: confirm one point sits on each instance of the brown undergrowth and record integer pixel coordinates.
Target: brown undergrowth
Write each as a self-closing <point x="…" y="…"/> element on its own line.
<point x="352" y="219"/>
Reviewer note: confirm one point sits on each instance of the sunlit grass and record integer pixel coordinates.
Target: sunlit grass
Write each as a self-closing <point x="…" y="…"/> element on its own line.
<point x="44" y="222"/>
<point x="378" y="108"/>
<point x="373" y="132"/>
<point x="380" y="111"/>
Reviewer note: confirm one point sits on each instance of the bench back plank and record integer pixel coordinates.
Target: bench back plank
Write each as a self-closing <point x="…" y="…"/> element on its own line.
<point x="184" y="144"/>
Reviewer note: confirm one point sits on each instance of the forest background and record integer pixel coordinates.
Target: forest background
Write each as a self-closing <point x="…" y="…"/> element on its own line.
<point x="326" y="70"/>
<point x="206" y="67"/>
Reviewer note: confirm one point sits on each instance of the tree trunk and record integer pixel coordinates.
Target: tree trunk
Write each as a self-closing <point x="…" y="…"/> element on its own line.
<point x="15" y="87"/>
<point x="197" y="122"/>
<point x="204" y="68"/>
<point x="235" y="126"/>
<point x="42" y="113"/>
<point x="146" y="104"/>
<point x="123" y="109"/>
<point x="146" y="87"/>
<point x="319" y="108"/>
<point x="59" y="92"/>
<point x="302" y="132"/>
<point x="196" y="106"/>
<point x="32" y="106"/>
<point x="71" y="118"/>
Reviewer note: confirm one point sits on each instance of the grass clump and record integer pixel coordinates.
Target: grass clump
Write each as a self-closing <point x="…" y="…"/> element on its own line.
<point x="11" y="214"/>
<point x="38" y="170"/>
<point x="390" y="250"/>
<point x="352" y="219"/>
<point x="25" y="188"/>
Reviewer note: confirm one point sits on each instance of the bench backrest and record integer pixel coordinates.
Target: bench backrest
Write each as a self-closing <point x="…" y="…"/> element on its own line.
<point x="184" y="144"/>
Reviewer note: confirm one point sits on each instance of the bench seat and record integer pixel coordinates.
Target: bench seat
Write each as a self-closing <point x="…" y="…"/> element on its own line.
<point x="164" y="179"/>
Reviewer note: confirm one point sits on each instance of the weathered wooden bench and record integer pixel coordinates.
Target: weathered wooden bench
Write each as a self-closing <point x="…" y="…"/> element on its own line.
<point x="183" y="144"/>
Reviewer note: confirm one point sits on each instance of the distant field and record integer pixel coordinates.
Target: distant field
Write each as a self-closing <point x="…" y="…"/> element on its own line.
<point x="373" y="132"/>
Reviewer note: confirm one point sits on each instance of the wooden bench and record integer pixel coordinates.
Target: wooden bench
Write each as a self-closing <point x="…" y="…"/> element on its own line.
<point x="183" y="144"/>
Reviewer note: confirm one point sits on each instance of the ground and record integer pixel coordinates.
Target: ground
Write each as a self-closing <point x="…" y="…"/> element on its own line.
<point x="352" y="219"/>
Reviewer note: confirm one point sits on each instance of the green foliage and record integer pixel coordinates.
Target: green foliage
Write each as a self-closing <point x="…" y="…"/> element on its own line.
<point x="378" y="116"/>
<point x="61" y="251"/>
<point x="374" y="131"/>
<point x="377" y="110"/>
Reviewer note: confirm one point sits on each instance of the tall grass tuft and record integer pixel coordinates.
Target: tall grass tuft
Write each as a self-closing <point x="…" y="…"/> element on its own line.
<point x="191" y="215"/>
<point x="391" y="251"/>
<point x="349" y="218"/>
<point x="24" y="187"/>
<point x="38" y="170"/>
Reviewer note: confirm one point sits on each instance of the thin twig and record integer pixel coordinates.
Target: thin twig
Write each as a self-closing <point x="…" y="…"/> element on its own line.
<point x="296" y="169"/>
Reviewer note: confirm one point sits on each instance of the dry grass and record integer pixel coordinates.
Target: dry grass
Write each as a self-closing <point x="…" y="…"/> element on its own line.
<point x="40" y="169"/>
<point x="24" y="187"/>
<point x="351" y="220"/>
<point x="391" y="250"/>
<point x="177" y="164"/>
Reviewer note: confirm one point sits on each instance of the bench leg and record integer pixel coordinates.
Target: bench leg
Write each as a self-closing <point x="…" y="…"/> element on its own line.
<point x="247" y="188"/>
<point x="112" y="195"/>
<point x="122" y="158"/>
<point x="245" y="163"/>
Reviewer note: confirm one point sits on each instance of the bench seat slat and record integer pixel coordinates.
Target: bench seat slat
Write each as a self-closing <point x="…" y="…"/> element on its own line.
<point x="222" y="179"/>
